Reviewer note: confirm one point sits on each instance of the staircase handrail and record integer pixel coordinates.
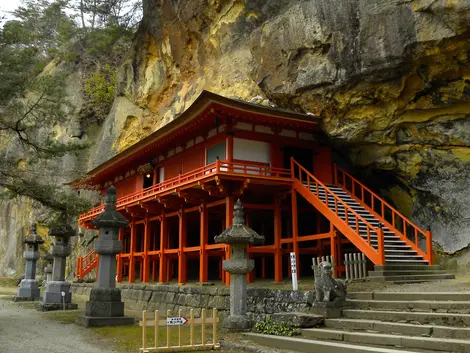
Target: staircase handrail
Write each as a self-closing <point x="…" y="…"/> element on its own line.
<point x="379" y="254"/>
<point x="394" y="213"/>
<point x="86" y="263"/>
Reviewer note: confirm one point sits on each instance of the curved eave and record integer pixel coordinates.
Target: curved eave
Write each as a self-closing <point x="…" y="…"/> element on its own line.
<point x="201" y="109"/>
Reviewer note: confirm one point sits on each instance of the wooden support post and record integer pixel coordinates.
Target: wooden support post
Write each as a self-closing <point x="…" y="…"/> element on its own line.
<point x="156" y="324"/>
<point x="119" y="258"/>
<point x="277" y="241"/>
<point x="228" y="222"/>
<point x="144" y="331"/>
<point x="146" y="260"/>
<point x="333" y="253"/>
<point x="203" y="240"/>
<point x="229" y="147"/>
<point x="203" y="327"/>
<point x="182" y="243"/>
<point x="381" y="248"/>
<point x="295" y="230"/>
<point x="429" y="247"/>
<point x="163" y="272"/>
<point x="132" y="251"/>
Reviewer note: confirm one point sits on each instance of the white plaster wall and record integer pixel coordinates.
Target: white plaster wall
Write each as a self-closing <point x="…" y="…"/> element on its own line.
<point x="249" y="150"/>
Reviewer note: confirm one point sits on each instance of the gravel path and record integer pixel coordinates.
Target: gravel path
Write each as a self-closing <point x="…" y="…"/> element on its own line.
<point x="27" y="331"/>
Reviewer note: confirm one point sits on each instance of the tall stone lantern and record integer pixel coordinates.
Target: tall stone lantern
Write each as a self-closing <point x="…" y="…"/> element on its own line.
<point x="29" y="287"/>
<point x="105" y="307"/>
<point x="57" y="295"/>
<point x="238" y="236"/>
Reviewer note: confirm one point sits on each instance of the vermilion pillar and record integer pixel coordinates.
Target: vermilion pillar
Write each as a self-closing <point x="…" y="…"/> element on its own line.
<point x="146" y="265"/>
<point x="132" y="251"/>
<point x="228" y="222"/>
<point x="277" y="241"/>
<point x="230" y="147"/>
<point x="203" y="236"/>
<point x="163" y="272"/>
<point x="182" y="276"/>
<point x="334" y="254"/>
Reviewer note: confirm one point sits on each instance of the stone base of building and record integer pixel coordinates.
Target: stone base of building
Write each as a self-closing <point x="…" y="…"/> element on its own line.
<point x="56" y="306"/>
<point x="94" y="321"/>
<point x="25" y="299"/>
<point x="237" y="323"/>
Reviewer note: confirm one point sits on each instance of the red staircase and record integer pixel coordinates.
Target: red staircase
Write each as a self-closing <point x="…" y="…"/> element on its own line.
<point x="371" y="224"/>
<point x="87" y="263"/>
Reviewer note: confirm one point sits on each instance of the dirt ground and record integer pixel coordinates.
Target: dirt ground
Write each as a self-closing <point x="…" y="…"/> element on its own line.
<point x="23" y="329"/>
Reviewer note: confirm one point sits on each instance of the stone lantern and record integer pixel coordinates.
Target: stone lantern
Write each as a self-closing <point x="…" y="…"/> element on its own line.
<point x="29" y="287"/>
<point x="48" y="268"/>
<point x="105" y="307"/>
<point x="57" y="295"/>
<point x="238" y="236"/>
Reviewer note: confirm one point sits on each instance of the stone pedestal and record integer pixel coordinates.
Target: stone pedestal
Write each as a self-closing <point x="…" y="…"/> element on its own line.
<point x="238" y="236"/>
<point x="105" y="307"/>
<point x="57" y="295"/>
<point x="329" y="310"/>
<point x="29" y="287"/>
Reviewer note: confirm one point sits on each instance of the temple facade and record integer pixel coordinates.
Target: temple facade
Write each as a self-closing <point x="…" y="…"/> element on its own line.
<point x="177" y="187"/>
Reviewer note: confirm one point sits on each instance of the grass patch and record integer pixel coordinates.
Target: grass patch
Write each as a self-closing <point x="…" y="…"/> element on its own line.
<point x="129" y="338"/>
<point x="65" y="317"/>
<point x="8" y="282"/>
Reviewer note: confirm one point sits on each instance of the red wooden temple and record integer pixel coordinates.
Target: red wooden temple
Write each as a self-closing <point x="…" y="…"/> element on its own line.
<point x="177" y="187"/>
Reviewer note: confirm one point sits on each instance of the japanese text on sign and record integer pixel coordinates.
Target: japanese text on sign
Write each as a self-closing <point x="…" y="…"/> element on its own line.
<point x="175" y="321"/>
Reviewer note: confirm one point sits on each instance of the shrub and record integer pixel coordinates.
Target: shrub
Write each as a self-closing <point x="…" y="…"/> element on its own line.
<point x="100" y="90"/>
<point x="279" y="329"/>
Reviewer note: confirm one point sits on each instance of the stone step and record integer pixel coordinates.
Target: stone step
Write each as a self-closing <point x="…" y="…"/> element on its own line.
<point x="411" y="261"/>
<point x="462" y="307"/>
<point x="381" y="339"/>
<point x="411" y="296"/>
<point x="417" y="277"/>
<point x="311" y="346"/>
<point x="398" y="252"/>
<point x="402" y="316"/>
<point x="399" y="328"/>
<point x="404" y="272"/>
<point x="404" y="257"/>
<point x="406" y="266"/>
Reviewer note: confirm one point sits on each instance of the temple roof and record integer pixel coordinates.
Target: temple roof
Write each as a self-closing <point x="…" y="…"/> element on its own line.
<point x="202" y="114"/>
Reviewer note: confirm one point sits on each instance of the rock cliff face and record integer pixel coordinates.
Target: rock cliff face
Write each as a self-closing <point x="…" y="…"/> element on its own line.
<point x="390" y="80"/>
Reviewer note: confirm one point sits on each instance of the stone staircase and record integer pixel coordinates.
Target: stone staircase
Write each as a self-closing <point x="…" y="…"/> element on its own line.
<point x="403" y="264"/>
<point x="388" y="322"/>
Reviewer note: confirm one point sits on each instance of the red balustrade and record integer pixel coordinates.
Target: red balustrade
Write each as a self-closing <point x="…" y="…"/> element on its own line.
<point x="402" y="226"/>
<point x="87" y="263"/>
<point x="303" y="182"/>
<point x="218" y="167"/>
